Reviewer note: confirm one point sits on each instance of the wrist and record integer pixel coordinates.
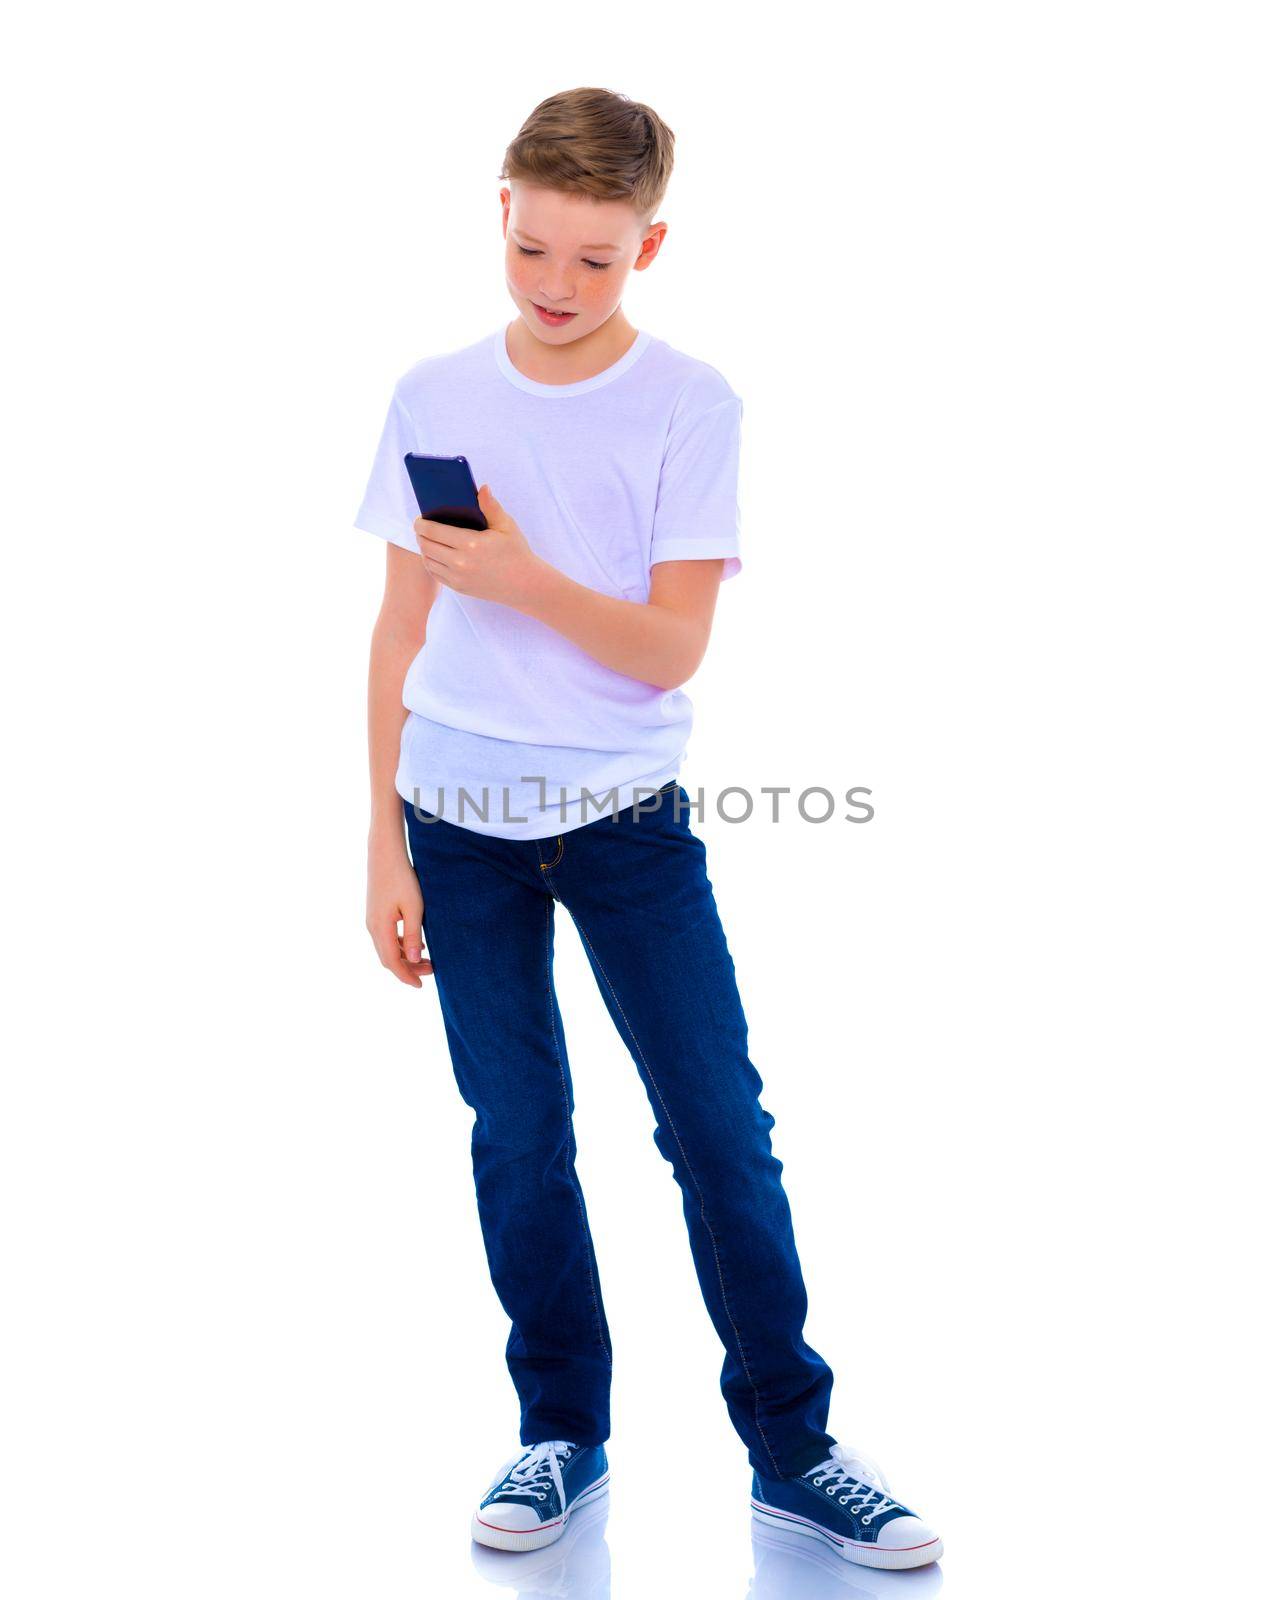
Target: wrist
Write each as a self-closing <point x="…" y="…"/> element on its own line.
<point x="386" y="832"/>
<point x="538" y="588"/>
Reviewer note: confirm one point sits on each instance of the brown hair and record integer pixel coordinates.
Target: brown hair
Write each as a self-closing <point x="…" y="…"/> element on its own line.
<point x="594" y="142"/>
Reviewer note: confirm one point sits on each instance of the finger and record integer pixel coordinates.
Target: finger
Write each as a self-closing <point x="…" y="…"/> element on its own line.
<point x="441" y="552"/>
<point x="411" y="938"/>
<point x="387" y="943"/>
<point x="405" y="974"/>
<point x="437" y="569"/>
<point x="441" y="532"/>
<point x="445" y="554"/>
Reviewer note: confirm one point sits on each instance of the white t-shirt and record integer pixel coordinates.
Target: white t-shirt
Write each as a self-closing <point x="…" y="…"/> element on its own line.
<point x="604" y="477"/>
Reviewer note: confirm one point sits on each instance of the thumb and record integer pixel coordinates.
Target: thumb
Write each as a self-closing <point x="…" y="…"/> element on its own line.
<point x="411" y="943"/>
<point x="490" y="505"/>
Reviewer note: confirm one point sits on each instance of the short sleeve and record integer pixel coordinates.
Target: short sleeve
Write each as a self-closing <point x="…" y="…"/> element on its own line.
<point x="697" y="513"/>
<point x="389" y="508"/>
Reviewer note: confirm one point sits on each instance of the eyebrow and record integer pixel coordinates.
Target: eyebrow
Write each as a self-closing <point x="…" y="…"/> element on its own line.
<point x="532" y="240"/>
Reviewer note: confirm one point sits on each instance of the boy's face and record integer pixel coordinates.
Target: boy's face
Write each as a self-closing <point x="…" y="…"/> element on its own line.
<point x="570" y="253"/>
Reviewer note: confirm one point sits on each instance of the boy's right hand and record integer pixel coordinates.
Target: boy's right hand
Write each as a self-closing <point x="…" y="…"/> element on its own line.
<point x="395" y="899"/>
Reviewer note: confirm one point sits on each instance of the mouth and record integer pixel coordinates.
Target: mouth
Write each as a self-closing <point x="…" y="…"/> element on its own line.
<point x="553" y="319"/>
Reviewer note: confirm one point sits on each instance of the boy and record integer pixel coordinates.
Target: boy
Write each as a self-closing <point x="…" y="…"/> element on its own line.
<point x="558" y="641"/>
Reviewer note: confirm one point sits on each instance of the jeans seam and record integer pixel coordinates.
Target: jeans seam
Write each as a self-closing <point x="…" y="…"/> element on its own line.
<point x="570" y="1176"/>
<point x="715" y="1248"/>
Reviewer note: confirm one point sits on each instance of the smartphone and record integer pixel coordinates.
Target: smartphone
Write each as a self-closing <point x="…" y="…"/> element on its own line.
<point x="445" y="490"/>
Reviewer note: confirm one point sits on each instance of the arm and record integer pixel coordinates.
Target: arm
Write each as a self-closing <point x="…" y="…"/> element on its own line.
<point x="660" y="641"/>
<point x="394" y="895"/>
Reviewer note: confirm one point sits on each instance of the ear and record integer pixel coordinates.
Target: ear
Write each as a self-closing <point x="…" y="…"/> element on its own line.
<point x="650" y="244"/>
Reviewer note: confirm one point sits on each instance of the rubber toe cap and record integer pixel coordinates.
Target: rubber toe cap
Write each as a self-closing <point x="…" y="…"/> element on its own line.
<point x="905" y="1533"/>
<point x="509" y="1515"/>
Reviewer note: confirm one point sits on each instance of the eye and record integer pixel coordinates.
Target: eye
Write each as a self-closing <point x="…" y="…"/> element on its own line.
<point x="596" y="266"/>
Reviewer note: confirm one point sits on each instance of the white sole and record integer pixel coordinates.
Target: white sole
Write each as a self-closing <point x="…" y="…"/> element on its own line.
<point x="509" y="1539"/>
<point x="866" y="1555"/>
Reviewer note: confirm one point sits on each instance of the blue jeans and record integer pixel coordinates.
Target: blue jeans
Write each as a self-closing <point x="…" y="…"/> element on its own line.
<point x="638" y="893"/>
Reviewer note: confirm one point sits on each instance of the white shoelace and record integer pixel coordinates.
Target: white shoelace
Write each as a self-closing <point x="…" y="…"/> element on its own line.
<point x="536" y="1468"/>
<point x="859" y="1477"/>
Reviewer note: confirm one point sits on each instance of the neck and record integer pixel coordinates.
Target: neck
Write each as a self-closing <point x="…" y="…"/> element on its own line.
<point x="572" y="362"/>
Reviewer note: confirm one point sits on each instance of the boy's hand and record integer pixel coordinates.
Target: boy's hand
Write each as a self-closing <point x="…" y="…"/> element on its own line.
<point x="493" y="564"/>
<point x="395" y="897"/>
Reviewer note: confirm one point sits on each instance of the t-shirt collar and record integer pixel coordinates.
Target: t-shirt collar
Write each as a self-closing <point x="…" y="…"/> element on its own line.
<point x="561" y="391"/>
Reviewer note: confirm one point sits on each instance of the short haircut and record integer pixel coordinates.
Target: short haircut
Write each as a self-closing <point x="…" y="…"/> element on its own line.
<point x="597" y="143"/>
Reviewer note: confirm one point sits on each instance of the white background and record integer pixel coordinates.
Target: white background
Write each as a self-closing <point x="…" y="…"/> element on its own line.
<point x="998" y="286"/>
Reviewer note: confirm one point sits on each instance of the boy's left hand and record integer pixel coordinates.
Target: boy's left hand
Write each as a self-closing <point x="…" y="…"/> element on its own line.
<point x="493" y="564"/>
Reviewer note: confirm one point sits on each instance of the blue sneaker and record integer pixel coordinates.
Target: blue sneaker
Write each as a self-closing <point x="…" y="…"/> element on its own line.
<point x="530" y="1501"/>
<point x="844" y="1501"/>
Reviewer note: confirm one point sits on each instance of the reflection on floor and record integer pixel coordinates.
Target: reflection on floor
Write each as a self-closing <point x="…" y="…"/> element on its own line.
<point x="575" y="1567"/>
<point x="793" y="1566"/>
<point x="788" y="1566"/>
